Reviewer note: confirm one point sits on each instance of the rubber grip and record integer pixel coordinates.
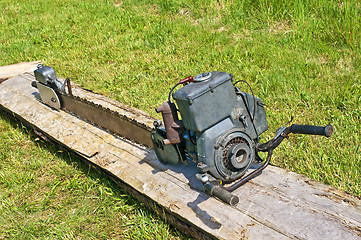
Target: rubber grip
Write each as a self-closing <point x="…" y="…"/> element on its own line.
<point x="312" y="130"/>
<point x="221" y="193"/>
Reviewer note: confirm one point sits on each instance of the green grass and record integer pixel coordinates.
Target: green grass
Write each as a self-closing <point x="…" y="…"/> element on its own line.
<point x="302" y="58"/>
<point x="47" y="193"/>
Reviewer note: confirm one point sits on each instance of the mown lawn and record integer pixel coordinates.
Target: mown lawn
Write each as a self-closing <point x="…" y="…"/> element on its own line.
<point x="302" y="58"/>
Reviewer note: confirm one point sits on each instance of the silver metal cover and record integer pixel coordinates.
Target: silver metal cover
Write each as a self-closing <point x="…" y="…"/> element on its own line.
<point x="48" y="96"/>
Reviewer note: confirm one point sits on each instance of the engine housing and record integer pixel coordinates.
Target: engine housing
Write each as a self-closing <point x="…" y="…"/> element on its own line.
<point x="221" y="126"/>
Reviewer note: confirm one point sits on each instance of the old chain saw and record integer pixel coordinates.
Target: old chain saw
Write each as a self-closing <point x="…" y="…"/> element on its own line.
<point x="212" y="123"/>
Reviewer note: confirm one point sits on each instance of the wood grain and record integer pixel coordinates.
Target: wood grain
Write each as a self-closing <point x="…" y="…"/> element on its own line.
<point x="16" y="69"/>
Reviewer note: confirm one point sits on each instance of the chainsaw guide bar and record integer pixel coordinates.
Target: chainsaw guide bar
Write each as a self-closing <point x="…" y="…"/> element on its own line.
<point x="52" y="93"/>
<point x="107" y="119"/>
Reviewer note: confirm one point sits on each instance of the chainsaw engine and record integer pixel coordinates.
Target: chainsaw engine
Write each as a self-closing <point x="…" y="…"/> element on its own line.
<point x="219" y="130"/>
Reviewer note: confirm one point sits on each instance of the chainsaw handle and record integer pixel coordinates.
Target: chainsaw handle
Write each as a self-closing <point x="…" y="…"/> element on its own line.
<point x="221" y="193"/>
<point x="312" y="130"/>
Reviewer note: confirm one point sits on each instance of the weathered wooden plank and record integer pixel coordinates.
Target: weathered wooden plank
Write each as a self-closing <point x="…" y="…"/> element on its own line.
<point x="16" y="69"/>
<point x="277" y="204"/>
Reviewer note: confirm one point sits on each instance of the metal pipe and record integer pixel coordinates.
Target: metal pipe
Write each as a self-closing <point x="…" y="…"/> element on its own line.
<point x="68" y="84"/>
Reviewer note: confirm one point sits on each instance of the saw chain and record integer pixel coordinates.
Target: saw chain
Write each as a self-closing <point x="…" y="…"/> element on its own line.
<point x="52" y="93"/>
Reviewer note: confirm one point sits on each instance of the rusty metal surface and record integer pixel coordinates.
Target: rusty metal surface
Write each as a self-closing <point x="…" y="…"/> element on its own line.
<point x="122" y="109"/>
<point x="107" y="119"/>
<point x="278" y="204"/>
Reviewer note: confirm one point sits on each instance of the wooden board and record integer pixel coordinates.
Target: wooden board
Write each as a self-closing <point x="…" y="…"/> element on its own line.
<point x="276" y="205"/>
<point x="16" y="69"/>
